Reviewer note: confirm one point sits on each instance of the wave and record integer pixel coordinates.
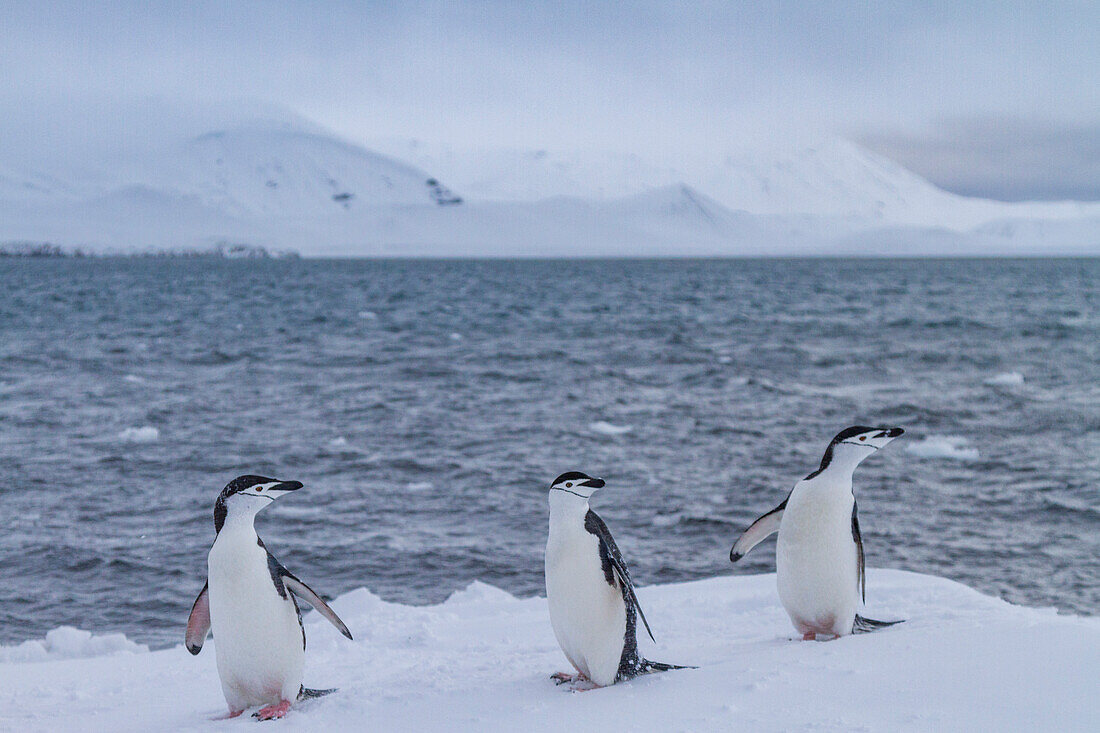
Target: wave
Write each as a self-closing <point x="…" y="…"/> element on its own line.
<point x="606" y="428"/>
<point x="944" y="446"/>
<point x="1005" y="379"/>
<point x="143" y="434"/>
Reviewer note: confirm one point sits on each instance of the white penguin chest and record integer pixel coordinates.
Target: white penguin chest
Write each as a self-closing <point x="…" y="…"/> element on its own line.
<point x="816" y="563"/>
<point x="257" y="636"/>
<point x="588" y="614"/>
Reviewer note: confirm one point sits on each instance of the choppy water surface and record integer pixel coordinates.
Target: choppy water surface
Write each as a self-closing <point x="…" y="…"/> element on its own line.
<point x="427" y="404"/>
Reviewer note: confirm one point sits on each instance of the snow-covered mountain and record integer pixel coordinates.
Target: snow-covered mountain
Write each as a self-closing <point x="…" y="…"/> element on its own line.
<point x="827" y="177"/>
<point x="288" y="184"/>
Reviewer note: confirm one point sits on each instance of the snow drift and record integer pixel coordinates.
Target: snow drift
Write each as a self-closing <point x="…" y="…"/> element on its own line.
<point x="482" y="660"/>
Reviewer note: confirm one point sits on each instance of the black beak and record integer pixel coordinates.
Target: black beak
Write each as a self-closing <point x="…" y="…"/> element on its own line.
<point x="287" y="486"/>
<point x="595" y="483"/>
<point x="890" y="433"/>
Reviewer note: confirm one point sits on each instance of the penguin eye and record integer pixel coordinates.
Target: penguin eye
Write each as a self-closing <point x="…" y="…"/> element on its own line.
<point x="568" y="484"/>
<point x="261" y="488"/>
<point x="863" y="437"/>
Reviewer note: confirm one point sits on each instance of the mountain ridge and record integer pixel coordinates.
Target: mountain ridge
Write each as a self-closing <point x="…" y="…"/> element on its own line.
<point x="291" y="185"/>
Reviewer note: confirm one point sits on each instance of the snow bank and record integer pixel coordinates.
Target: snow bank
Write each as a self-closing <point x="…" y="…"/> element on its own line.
<point x="482" y="660"/>
<point x="943" y="446"/>
<point x="66" y="642"/>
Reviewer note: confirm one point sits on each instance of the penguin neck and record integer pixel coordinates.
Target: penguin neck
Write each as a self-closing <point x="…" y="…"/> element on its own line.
<point x="567" y="510"/>
<point x="240" y="522"/>
<point x="839" y="464"/>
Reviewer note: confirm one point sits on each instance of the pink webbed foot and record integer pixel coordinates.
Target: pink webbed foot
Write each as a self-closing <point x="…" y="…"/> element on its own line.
<point x="227" y="716"/>
<point x="809" y="636"/>
<point x="561" y="678"/>
<point x="271" y="712"/>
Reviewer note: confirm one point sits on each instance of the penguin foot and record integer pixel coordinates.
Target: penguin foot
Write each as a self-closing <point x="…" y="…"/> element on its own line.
<point x="227" y="716"/>
<point x="809" y="636"/>
<point x="584" y="686"/>
<point x="271" y="712"/>
<point x="561" y="678"/>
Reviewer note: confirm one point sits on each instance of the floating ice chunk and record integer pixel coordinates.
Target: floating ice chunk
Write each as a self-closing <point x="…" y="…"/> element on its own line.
<point x="65" y="642"/>
<point x="456" y="336"/>
<point x="144" y="434"/>
<point x="340" y="442"/>
<point x="945" y="446"/>
<point x="133" y="378"/>
<point x="606" y="428"/>
<point x="419" y="485"/>
<point x="369" y="315"/>
<point x="1005" y="379"/>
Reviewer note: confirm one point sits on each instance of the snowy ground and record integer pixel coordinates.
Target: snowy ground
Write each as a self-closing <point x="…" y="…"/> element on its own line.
<point x="482" y="660"/>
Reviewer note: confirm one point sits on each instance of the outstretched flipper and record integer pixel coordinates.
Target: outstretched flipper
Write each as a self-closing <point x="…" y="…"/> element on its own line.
<point x="287" y="581"/>
<point x="198" y="623"/>
<point x="758" y="531"/>
<point x="303" y="591"/>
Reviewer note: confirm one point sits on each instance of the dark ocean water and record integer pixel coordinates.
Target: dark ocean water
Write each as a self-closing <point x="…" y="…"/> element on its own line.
<point x="426" y="405"/>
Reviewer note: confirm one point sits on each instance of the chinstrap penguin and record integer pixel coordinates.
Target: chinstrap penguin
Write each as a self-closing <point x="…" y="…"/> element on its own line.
<point x="593" y="606"/>
<point x="248" y="603"/>
<point x="819" y="560"/>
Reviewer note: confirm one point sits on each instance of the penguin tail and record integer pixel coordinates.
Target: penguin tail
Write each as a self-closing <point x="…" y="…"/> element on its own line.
<point x="648" y="667"/>
<point x="305" y="693"/>
<point x="867" y="625"/>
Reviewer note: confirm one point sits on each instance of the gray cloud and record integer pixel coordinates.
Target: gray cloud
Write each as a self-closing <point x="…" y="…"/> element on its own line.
<point x="644" y="77"/>
<point x="1006" y="159"/>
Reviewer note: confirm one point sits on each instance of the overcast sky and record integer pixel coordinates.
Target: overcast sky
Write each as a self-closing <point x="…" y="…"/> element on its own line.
<point x="987" y="98"/>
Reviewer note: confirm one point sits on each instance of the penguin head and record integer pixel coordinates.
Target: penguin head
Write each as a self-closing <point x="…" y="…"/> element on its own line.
<point x="578" y="484"/>
<point x="247" y="495"/>
<point x="852" y="445"/>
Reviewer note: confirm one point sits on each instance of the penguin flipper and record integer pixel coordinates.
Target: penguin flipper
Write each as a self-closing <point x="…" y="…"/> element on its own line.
<point x="303" y="591"/>
<point x="198" y="623"/>
<point x="861" y="569"/>
<point x="758" y="531"/>
<point x="614" y="564"/>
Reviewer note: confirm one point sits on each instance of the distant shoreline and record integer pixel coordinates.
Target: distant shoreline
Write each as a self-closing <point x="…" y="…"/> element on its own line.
<point x="48" y="250"/>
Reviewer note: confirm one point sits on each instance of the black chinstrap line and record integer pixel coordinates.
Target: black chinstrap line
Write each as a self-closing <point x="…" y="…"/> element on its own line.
<point x="574" y="493"/>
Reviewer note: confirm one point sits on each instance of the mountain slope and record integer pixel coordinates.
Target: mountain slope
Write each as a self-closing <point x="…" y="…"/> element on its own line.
<point x="287" y="184"/>
<point x="829" y="178"/>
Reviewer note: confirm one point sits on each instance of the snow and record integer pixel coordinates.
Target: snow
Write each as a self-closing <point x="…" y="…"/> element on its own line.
<point x="143" y="434"/>
<point x="482" y="660"/>
<point x="943" y="446"/>
<point x="66" y="642"/>
<point x="818" y="175"/>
